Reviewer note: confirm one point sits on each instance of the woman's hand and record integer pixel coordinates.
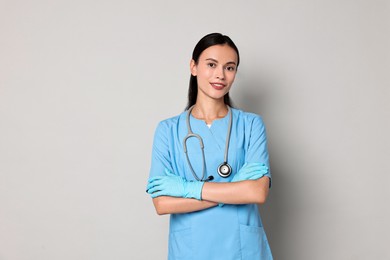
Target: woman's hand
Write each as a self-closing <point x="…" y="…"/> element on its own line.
<point x="250" y="171"/>
<point x="174" y="186"/>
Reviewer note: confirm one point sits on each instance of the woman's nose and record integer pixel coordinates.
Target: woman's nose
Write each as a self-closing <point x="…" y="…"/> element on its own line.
<point x="220" y="73"/>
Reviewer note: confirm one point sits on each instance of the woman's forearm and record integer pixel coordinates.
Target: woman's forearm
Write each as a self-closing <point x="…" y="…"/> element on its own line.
<point x="243" y="192"/>
<point x="174" y="205"/>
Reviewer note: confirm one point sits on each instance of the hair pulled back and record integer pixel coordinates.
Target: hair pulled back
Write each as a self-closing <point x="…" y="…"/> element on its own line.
<point x="204" y="43"/>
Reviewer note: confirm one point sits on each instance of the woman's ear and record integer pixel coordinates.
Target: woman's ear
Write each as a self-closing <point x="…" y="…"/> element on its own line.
<point x="193" y="68"/>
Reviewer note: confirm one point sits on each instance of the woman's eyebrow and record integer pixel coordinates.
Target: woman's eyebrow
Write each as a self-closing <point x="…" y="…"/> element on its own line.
<point x="214" y="60"/>
<point x="211" y="59"/>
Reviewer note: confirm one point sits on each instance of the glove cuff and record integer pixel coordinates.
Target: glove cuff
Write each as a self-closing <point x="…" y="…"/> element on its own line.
<point x="193" y="189"/>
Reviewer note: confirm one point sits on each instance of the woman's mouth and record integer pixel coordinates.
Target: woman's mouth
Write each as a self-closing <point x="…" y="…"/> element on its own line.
<point x="217" y="86"/>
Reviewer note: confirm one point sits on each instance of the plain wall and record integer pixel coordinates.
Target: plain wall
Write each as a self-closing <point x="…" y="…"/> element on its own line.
<point x="84" y="83"/>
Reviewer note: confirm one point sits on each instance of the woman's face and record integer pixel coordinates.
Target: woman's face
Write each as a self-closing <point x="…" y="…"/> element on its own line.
<point x="215" y="71"/>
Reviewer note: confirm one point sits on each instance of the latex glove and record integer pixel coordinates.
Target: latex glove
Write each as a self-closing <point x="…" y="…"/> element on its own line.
<point x="174" y="186"/>
<point x="249" y="171"/>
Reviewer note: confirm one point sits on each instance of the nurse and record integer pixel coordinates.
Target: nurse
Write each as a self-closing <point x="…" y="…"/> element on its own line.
<point x="210" y="166"/>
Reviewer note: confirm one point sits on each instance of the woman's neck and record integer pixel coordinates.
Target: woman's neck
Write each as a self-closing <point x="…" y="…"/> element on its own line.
<point x="209" y="111"/>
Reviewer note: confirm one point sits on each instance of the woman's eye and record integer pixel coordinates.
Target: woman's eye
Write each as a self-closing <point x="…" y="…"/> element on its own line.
<point x="231" y="68"/>
<point x="211" y="65"/>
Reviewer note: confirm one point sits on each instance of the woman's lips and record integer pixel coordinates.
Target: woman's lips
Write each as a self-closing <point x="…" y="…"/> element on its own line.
<point x="217" y="86"/>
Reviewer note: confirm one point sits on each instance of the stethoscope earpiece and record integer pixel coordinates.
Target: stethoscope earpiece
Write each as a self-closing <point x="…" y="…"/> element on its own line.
<point x="210" y="178"/>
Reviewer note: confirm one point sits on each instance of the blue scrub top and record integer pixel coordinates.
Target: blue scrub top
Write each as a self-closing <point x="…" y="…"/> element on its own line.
<point x="228" y="232"/>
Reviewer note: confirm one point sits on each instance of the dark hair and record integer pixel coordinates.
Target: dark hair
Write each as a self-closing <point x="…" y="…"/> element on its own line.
<point x="208" y="41"/>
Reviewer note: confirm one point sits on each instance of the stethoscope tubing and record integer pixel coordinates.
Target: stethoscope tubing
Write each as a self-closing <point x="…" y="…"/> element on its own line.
<point x="189" y="135"/>
<point x="192" y="134"/>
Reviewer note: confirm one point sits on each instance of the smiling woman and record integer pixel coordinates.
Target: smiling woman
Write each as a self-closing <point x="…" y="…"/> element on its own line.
<point x="215" y="71"/>
<point x="214" y="215"/>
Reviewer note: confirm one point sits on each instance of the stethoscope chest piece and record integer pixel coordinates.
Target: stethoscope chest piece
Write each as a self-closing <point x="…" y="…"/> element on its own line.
<point x="224" y="170"/>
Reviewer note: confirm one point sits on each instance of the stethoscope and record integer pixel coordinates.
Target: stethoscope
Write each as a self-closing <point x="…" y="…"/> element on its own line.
<point x="224" y="169"/>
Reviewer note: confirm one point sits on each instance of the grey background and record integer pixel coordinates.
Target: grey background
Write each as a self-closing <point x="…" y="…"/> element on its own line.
<point x="84" y="83"/>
